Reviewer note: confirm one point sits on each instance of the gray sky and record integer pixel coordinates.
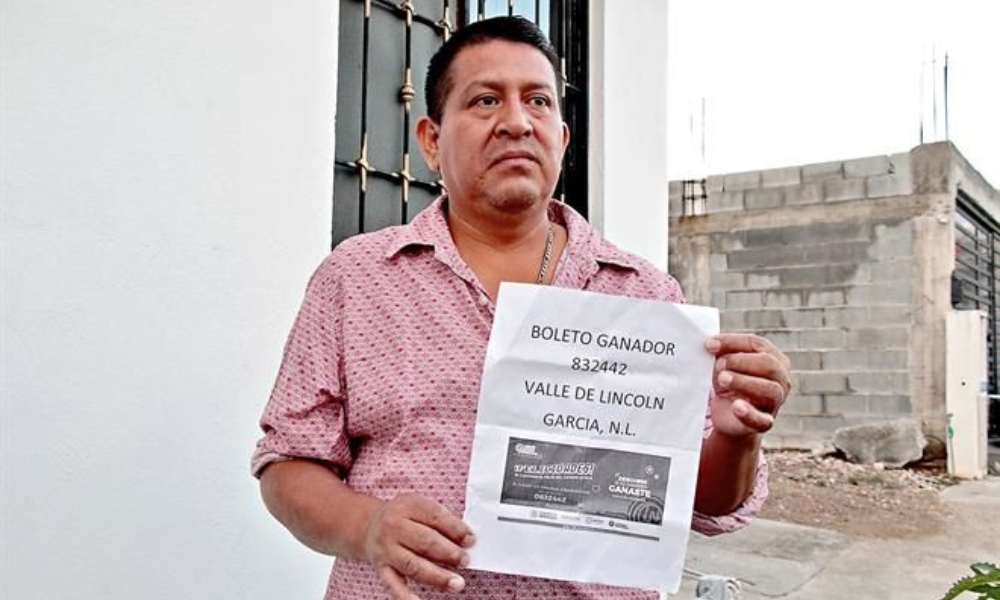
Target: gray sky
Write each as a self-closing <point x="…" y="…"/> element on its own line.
<point x="789" y="82"/>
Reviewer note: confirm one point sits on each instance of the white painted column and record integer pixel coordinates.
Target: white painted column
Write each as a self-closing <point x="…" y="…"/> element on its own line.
<point x="628" y="132"/>
<point x="165" y="181"/>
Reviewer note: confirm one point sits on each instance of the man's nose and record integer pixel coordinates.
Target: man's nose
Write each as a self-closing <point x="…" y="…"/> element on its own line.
<point x="513" y="120"/>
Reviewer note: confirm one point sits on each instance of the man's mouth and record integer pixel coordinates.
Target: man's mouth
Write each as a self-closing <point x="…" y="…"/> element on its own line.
<point x="515" y="156"/>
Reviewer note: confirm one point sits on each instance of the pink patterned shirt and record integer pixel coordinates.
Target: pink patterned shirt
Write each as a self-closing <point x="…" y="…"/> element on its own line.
<point x="381" y="377"/>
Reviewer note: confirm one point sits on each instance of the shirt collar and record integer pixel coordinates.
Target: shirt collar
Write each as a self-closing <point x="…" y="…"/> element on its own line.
<point x="585" y="243"/>
<point x="430" y="229"/>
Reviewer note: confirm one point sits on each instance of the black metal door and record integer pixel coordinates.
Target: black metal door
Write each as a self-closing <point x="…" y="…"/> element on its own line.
<point x="974" y="285"/>
<point x="380" y="178"/>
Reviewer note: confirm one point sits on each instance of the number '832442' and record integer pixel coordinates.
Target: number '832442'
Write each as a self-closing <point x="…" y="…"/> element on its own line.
<point x="594" y="365"/>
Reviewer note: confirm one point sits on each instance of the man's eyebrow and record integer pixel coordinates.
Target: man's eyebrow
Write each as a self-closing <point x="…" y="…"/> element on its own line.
<point x="495" y="84"/>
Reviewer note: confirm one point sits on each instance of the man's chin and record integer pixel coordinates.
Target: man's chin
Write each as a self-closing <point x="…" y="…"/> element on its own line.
<point x="516" y="199"/>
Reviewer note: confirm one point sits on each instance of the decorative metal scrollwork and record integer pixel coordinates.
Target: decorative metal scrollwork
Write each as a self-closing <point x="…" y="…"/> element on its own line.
<point x="375" y="146"/>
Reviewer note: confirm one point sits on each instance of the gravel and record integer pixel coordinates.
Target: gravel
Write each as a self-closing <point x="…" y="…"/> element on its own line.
<point x="826" y="491"/>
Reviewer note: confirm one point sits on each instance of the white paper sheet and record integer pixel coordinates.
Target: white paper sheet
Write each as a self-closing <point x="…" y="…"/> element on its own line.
<point x="588" y="437"/>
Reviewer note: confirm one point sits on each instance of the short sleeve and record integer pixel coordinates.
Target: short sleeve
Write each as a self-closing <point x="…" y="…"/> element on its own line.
<point x="304" y="417"/>
<point x="745" y="512"/>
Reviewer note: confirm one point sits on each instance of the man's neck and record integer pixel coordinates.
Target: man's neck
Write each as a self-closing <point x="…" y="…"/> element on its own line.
<point x="499" y="230"/>
<point x="506" y="246"/>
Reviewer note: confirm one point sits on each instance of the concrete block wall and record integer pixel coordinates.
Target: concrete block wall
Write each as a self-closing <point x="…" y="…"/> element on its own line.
<point x="829" y="182"/>
<point x="836" y="297"/>
<point x="821" y="259"/>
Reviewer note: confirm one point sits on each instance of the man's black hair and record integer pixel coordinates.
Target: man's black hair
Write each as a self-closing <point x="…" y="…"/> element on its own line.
<point x="511" y="29"/>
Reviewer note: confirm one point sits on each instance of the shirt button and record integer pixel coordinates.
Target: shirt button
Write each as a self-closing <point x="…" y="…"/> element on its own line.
<point x="483" y="300"/>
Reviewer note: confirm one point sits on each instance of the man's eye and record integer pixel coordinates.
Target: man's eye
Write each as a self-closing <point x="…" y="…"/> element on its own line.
<point x="540" y="101"/>
<point x="487" y="101"/>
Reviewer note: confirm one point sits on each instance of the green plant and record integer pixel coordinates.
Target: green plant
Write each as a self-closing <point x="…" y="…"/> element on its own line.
<point x="985" y="582"/>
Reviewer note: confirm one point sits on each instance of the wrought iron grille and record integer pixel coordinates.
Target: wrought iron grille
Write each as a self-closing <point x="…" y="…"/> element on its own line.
<point x="694" y="197"/>
<point x="380" y="178"/>
<point x="974" y="283"/>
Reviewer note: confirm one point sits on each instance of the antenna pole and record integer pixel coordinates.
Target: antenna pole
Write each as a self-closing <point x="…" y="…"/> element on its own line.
<point x="947" y="133"/>
<point x="703" y="132"/>
<point x="923" y="68"/>
<point x="934" y="90"/>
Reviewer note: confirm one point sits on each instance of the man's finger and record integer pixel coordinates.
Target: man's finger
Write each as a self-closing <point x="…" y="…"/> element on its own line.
<point x="728" y="343"/>
<point x="759" y="421"/>
<point x="431" y="544"/>
<point x="395" y="584"/>
<point x="757" y="364"/>
<point x="439" y="518"/>
<point x="763" y="394"/>
<point x="424" y="571"/>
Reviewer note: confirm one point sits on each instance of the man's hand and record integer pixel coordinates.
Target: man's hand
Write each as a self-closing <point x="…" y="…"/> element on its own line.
<point x="406" y="537"/>
<point x="411" y="537"/>
<point x="750" y="383"/>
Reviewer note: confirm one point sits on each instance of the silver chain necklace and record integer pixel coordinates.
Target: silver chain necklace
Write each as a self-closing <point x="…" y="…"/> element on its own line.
<point x="543" y="271"/>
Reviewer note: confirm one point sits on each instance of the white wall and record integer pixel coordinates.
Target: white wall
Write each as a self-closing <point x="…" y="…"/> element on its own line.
<point x="628" y="161"/>
<point x="166" y="193"/>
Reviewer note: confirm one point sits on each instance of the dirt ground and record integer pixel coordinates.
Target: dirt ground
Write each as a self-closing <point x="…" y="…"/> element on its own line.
<point x="859" y="500"/>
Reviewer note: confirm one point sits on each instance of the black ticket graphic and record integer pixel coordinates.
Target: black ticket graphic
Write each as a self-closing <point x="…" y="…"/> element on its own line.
<point x="600" y="482"/>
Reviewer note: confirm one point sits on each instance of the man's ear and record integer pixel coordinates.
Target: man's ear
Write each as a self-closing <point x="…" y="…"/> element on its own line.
<point x="565" y="137"/>
<point x="427" y="136"/>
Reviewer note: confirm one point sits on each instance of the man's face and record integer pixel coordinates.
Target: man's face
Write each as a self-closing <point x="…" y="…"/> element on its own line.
<point x="501" y="138"/>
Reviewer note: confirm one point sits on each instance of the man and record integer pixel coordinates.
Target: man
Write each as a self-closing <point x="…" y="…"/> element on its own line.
<point x="369" y="427"/>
